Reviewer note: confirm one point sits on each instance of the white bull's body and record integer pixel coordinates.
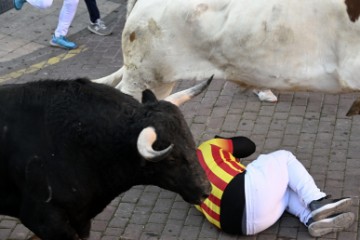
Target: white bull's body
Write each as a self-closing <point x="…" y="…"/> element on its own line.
<point x="297" y="45"/>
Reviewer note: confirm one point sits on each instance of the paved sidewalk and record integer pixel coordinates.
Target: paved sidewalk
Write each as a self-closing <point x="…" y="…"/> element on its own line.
<point x="311" y="125"/>
<point x="5" y="5"/>
<point x="30" y="29"/>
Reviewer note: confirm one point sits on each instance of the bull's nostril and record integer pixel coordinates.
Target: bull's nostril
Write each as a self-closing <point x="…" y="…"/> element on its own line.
<point x="204" y="196"/>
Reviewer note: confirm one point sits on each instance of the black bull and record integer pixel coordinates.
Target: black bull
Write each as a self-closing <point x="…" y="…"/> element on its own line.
<point x="69" y="147"/>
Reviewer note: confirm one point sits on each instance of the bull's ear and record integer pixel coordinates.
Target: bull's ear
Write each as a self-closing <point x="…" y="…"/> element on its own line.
<point x="148" y="96"/>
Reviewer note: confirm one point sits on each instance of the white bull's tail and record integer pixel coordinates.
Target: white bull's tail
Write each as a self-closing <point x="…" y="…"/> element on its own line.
<point x="112" y="79"/>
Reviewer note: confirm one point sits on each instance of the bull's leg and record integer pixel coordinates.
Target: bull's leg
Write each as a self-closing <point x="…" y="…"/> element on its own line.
<point x="9" y="203"/>
<point x="163" y="90"/>
<point x="83" y="229"/>
<point x="46" y="221"/>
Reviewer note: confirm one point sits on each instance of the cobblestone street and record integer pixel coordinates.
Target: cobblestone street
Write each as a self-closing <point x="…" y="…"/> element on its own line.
<point x="311" y="125"/>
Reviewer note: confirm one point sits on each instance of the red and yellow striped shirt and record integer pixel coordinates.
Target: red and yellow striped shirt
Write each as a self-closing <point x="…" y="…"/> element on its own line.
<point x="221" y="167"/>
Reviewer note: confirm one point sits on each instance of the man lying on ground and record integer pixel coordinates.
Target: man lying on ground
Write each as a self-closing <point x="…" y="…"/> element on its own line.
<point x="248" y="200"/>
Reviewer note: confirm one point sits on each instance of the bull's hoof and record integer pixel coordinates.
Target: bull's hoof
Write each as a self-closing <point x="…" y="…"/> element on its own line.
<point x="354" y="109"/>
<point x="265" y="95"/>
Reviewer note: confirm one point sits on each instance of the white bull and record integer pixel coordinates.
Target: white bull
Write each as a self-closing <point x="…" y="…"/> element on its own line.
<point x="295" y="45"/>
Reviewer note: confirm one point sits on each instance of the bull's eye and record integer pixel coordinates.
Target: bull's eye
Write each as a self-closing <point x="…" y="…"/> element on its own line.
<point x="172" y="160"/>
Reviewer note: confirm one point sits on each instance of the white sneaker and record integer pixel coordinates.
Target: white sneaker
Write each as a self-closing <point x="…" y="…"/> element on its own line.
<point x="327" y="207"/>
<point x="99" y="28"/>
<point x="335" y="223"/>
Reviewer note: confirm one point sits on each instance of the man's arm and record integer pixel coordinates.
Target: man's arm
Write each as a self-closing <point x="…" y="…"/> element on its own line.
<point x="241" y="146"/>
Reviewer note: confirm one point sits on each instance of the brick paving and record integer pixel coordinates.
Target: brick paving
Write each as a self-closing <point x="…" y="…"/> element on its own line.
<point x="5" y="5"/>
<point x="311" y="125"/>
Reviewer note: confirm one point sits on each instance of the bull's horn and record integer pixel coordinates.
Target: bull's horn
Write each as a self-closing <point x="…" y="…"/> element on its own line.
<point x="187" y="94"/>
<point x="144" y="144"/>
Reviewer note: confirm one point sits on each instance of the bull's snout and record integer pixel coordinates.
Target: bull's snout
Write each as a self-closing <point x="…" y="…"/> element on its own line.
<point x="204" y="197"/>
<point x="197" y="193"/>
<point x="207" y="190"/>
<point x="205" y="193"/>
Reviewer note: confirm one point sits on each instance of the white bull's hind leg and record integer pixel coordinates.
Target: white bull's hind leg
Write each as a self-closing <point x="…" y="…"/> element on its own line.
<point x="112" y="79"/>
<point x="265" y="95"/>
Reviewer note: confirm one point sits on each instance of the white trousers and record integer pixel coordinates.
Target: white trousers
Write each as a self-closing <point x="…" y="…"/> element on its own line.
<point x="274" y="183"/>
<point x="67" y="13"/>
